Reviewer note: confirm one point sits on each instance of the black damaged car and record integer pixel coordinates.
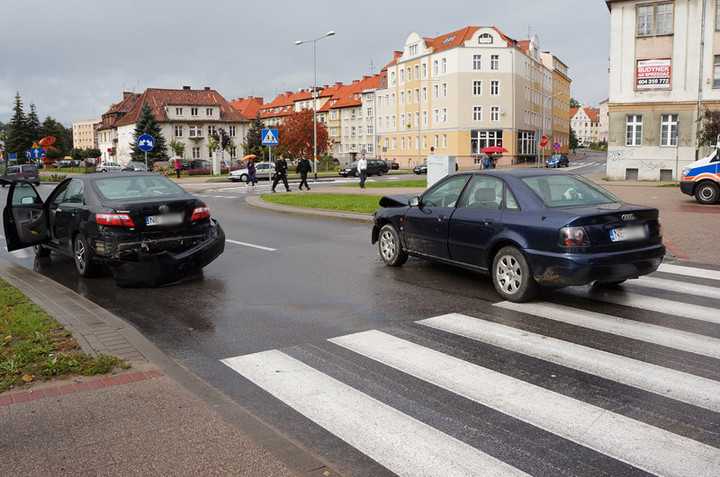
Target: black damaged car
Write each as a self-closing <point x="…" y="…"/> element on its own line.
<point x="145" y="228"/>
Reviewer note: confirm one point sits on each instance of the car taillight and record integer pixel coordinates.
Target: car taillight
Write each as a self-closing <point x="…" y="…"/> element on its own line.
<point x="200" y="213"/>
<point x="573" y="237"/>
<point x="116" y="220"/>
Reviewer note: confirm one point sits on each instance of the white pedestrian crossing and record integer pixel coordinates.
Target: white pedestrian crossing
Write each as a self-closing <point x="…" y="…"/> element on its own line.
<point x="427" y="352"/>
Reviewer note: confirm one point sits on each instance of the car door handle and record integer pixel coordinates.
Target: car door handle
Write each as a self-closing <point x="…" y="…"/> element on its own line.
<point x="441" y="217"/>
<point x="488" y="220"/>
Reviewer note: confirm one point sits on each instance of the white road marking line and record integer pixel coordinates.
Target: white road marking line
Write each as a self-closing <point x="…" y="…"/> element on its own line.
<point x="399" y="442"/>
<point x="650" y="377"/>
<point x="251" y="245"/>
<point x="678" y="286"/>
<point x="655" y="334"/>
<point x="689" y="271"/>
<point x="639" y="444"/>
<point x="661" y="305"/>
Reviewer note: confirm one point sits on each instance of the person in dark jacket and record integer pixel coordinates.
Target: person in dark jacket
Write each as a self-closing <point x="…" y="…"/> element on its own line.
<point x="280" y="173"/>
<point x="303" y="168"/>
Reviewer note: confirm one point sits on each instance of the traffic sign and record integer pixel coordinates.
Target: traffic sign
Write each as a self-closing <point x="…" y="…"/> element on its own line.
<point x="544" y="141"/>
<point x="35" y="153"/>
<point x="146" y="142"/>
<point x="269" y="137"/>
<point x="556" y="146"/>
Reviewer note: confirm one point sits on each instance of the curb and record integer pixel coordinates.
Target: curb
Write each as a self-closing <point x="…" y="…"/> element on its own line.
<point x="258" y="203"/>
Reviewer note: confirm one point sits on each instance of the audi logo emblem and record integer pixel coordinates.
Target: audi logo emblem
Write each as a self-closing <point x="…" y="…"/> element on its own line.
<point x="627" y="217"/>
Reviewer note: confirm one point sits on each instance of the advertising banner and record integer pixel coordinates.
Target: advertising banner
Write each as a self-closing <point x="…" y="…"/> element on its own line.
<point x="653" y="74"/>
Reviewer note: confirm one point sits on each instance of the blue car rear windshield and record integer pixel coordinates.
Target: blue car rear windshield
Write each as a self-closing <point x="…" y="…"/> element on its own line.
<point x="561" y="190"/>
<point x="132" y="187"/>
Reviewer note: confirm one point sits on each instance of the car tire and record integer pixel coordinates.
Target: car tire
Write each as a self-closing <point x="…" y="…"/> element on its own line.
<point x="511" y="275"/>
<point x="379" y="173"/>
<point x="41" y="250"/>
<point x="356" y="174"/>
<point x="84" y="261"/>
<point x="707" y="193"/>
<point x="390" y="247"/>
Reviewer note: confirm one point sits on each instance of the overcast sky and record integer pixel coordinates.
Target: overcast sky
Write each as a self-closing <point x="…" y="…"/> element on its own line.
<point x="74" y="58"/>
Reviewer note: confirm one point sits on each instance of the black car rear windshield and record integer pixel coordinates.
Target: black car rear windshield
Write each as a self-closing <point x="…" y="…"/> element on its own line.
<point x="562" y="190"/>
<point x="132" y="187"/>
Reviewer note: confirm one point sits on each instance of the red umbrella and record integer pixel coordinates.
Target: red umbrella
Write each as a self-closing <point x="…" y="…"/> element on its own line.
<point x="494" y="149"/>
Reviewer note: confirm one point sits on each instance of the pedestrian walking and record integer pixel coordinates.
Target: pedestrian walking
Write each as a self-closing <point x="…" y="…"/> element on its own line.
<point x="362" y="170"/>
<point x="251" y="173"/>
<point x="303" y="168"/>
<point x="177" y="168"/>
<point x="280" y="173"/>
<point x="488" y="161"/>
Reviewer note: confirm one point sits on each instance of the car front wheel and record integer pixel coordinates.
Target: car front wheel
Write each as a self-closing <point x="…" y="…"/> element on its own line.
<point x="41" y="251"/>
<point x="84" y="261"/>
<point x="511" y="275"/>
<point x="391" y="251"/>
<point x="379" y="173"/>
<point x="707" y="193"/>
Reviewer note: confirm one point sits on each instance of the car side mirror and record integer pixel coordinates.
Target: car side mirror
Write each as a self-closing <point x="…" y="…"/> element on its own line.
<point x="414" y="202"/>
<point x="27" y="200"/>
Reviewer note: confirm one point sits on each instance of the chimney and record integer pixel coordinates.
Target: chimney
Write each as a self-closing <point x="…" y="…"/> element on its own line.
<point x="207" y="88"/>
<point x="186" y="88"/>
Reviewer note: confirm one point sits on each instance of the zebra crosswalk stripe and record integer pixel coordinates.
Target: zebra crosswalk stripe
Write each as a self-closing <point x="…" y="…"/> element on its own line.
<point x="402" y="444"/>
<point x="657" y="379"/>
<point x="689" y="271"/>
<point x="636" y="443"/>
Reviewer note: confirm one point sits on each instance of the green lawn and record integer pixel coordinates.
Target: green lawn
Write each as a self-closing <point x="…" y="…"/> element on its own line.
<point x="34" y="346"/>
<point x="342" y="202"/>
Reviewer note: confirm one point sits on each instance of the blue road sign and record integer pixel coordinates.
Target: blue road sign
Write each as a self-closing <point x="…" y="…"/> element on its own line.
<point x="146" y="142"/>
<point x="12" y="156"/>
<point x="269" y="137"/>
<point x="35" y="153"/>
<point x="556" y="146"/>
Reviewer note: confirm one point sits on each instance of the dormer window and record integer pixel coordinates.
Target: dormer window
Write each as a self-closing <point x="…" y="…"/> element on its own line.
<point x="413" y="50"/>
<point x="193" y="111"/>
<point x="209" y="111"/>
<point x="485" y="39"/>
<point x="449" y="39"/>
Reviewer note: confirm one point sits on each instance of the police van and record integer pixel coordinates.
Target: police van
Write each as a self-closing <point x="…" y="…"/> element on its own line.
<point x="702" y="178"/>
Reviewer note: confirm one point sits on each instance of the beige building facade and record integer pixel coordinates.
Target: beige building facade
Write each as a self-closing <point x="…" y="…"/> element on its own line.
<point x="85" y="134"/>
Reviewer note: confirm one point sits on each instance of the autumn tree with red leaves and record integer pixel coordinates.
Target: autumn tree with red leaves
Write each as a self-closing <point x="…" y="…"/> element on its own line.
<point x="296" y="135"/>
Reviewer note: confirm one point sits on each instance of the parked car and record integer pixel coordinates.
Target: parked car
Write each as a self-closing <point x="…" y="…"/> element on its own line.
<point x="28" y="172"/>
<point x="374" y="167"/>
<point x="135" y="167"/>
<point x="200" y="164"/>
<point x="526" y="228"/>
<point x="420" y="169"/>
<point x="393" y="165"/>
<point x="161" y="165"/>
<point x="557" y="160"/>
<point x="145" y="228"/>
<point x="109" y="167"/>
<point x="64" y="164"/>
<point x="261" y="172"/>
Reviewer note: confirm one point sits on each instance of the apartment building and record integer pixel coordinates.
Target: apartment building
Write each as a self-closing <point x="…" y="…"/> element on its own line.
<point x="664" y="70"/>
<point x="585" y="122"/>
<point x="462" y="91"/>
<point x="559" y="103"/>
<point x="185" y="115"/>
<point x="84" y="134"/>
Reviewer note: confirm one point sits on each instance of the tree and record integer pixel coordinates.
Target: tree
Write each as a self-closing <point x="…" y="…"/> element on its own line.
<point x="574" y="103"/>
<point x="178" y="148"/>
<point x="18" y="139"/>
<point x="573" y="139"/>
<point x="296" y="135"/>
<point x="147" y="123"/>
<point x="253" y="138"/>
<point x="709" y="129"/>
<point x="53" y="154"/>
<point x="62" y="135"/>
<point x="33" y="124"/>
<point x="93" y="153"/>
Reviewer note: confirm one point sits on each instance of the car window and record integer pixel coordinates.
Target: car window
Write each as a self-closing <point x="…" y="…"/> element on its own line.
<point x="75" y="193"/>
<point x="24" y="194"/>
<point x="137" y="187"/>
<point x="562" y="190"/>
<point x="445" y="193"/>
<point x="483" y="192"/>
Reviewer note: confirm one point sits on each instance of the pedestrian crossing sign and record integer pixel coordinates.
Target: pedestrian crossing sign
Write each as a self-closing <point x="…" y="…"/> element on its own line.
<point x="269" y="137"/>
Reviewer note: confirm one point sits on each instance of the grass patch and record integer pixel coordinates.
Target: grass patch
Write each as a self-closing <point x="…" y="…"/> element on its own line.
<point x="669" y="185"/>
<point x="409" y="183"/>
<point x="341" y="202"/>
<point x="35" y="346"/>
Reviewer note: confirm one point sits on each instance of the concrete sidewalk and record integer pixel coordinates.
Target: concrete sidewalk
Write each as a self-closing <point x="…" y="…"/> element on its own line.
<point x="155" y="418"/>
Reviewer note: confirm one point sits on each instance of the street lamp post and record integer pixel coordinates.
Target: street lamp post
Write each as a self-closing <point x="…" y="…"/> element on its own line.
<point x="300" y="42"/>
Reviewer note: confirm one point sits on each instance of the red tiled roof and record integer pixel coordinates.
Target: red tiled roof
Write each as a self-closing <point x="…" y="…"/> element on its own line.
<point x="353" y="95"/>
<point x="592" y="113"/>
<point x="119" y="110"/>
<point x="158" y="98"/>
<point x="248" y="107"/>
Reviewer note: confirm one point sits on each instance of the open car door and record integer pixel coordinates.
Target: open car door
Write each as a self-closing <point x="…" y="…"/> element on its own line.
<point x="24" y="217"/>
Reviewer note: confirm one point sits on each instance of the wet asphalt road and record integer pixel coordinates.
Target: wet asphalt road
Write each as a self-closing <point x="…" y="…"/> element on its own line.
<point x="291" y="283"/>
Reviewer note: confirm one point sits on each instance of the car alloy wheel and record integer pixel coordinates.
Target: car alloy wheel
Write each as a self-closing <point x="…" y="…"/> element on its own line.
<point x="82" y="254"/>
<point x="511" y="275"/>
<point x="707" y="193"/>
<point x="390" y="248"/>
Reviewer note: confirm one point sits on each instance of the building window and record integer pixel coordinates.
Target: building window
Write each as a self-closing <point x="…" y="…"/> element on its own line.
<point x="232" y="131"/>
<point x="413" y="50"/>
<point x="436" y="141"/>
<point x="477" y="88"/>
<point x="526" y="143"/>
<point x="394" y="143"/>
<point x="435" y="67"/>
<point x="369" y="130"/>
<point x="436" y="91"/>
<point x="402" y="143"/>
<point x="495" y="113"/>
<point x="436" y="116"/>
<point x="495" y="62"/>
<point x="402" y="120"/>
<point x="716" y="72"/>
<point x="178" y="111"/>
<point x="633" y="131"/>
<point x="444" y="141"/>
<point x="196" y="153"/>
<point x="193" y="111"/>
<point x="444" y="115"/>
<point x="417" y="71"/>
<point x="424" y="93"/>
<point x="444" y="90"/>
<point x="664" y="19"/>
<point x="417" y="95"/>
<point x="211" y="130"/>
<point x="178" y="131"/>
<point x="655" y="19"/>
<point x="424" y="70"/>
<point x="402" y="76"/>
<point x="485" y="38"/>
<point x="495" y="88"/>
<point x="477" y="62"/>
<point x="717" y="16"/>
<point x="482" y="139"/>
<point x="668" y="130"/>
<point x="444" y="65"/>
<point x="402" y="97"/>
<point x="477" y="113"/>
<point x="208" y="111"/>
<point x="409" y="97"/>
<point x="425" y="118"/>
<point x="195" y="131"/>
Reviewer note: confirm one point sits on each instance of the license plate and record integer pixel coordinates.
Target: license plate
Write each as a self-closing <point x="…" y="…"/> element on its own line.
<point x="628" y="233"/>
<point x="166" y="219"/>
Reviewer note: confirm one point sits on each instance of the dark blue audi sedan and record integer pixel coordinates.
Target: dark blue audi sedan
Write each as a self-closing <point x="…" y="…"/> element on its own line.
<point x="527" y="228"/>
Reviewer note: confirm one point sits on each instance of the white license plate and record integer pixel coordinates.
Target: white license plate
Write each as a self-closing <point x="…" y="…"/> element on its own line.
<point x="166" y="219"/>
<point x="628" y="233"/>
